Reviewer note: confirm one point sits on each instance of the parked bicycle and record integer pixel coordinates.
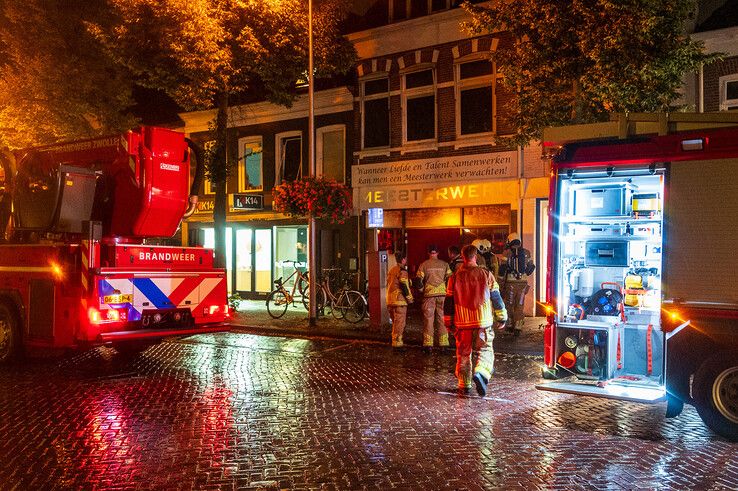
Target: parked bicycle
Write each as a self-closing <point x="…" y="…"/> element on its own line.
<point x="280" y="298"/>
<point x="349" y="305"/>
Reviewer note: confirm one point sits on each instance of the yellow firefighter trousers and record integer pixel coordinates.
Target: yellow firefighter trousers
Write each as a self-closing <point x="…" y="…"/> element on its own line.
<point x="398" y="314"/>
<point x="514" y="297"/>
<point x="433" y="317"/>
<point x="474" y="354"/>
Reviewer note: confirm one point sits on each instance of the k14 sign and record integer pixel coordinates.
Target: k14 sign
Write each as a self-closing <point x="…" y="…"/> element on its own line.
<point x="248" y="201"/>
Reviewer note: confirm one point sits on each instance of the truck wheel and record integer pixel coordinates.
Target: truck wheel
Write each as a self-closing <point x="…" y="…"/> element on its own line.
<point x="715" y="391"/>
<point x="9" y="334"/>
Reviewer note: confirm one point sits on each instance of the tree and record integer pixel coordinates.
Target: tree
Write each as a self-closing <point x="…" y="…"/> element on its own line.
<point x="573" y="61"/>
<point x="204" y="53"/>
<point x="56" y="82"/>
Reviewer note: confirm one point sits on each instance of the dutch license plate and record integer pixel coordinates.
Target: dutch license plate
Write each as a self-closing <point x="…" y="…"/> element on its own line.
<point x="122" y="298"/>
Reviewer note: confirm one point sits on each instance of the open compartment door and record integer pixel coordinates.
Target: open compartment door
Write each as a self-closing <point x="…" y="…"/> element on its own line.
<point x="608" y="240"/>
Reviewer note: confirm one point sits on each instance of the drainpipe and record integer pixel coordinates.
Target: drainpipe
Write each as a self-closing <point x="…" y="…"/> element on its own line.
<point x="522" y="187"/>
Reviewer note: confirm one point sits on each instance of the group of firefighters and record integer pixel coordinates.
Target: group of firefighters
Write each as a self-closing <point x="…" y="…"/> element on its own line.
<point x="463" y="297"/>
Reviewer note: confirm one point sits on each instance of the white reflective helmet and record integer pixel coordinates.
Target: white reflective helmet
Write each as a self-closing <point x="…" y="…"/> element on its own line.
<point x="479" y="244"/>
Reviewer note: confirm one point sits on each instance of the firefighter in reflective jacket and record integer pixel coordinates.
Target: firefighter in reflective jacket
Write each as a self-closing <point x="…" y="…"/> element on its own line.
<point x="431" y="277"/>
<point x="472" y="305"/>
<point x="515" y="270"/>
<point x="398" y="297"/>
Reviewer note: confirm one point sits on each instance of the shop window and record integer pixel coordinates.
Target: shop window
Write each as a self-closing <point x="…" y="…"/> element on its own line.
<point x="250" y="172"/>
<point x="729" y="93"/>
<point x="331" y="152"/>
<point x="419" y="102"/>
<point x="289" y="156"/>
<point x="375" y="113"/>
<point x="475" y="83"/>
<point x="290" y="252"/>
<point x="207" y="239"/>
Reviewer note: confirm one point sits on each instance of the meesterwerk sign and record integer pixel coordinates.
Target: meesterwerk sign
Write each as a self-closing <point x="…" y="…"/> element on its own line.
<point x="437" y="182"/>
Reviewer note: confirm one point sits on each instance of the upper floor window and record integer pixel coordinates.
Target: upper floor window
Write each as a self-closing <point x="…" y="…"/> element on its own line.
<point x="250" y="171"/>
<point x="475" y="91"/>
<point x="331" y="152"/>
<point x="375" y="128"/>
<point x="288" y="156"/>
<point x="208" y="186"/>
<point x="409" y="9"/>
<point x="729" y="93"/>
<point x="419" y="104"/>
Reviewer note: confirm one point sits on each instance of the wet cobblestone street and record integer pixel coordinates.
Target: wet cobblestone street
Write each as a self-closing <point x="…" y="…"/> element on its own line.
<point x="239" y="411"/>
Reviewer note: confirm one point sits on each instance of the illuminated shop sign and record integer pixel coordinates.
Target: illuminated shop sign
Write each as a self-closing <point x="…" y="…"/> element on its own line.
<point x="472" y="194"/>
<point x="461" y="169"/>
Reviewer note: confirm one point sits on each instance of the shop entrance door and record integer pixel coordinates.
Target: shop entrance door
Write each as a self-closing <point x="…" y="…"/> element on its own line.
<point x="419" y="239"/>
<point x="253" y="253"/>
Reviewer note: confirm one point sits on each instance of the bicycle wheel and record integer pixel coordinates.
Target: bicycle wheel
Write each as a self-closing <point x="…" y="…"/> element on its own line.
<point x="303" y="284"/>
<point x="337" y="307"/>
<point x="320" y="303"/>
<point x="305" y="295"/>
<point x="277" y="302"/>
<point x="353" y="304"/>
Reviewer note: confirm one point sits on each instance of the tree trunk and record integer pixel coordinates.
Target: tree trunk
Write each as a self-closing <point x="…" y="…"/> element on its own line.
<point x="220" y="164"/>
<point x="576" y="103"/>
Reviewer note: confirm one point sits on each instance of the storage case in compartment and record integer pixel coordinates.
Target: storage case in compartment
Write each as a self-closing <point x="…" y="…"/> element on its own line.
<point x="603" y="201"/>
<point x="585" y="231"/>
<point x="635" y="349"/>
<point x="608" y="254"/>
<point x="594" y="349"/>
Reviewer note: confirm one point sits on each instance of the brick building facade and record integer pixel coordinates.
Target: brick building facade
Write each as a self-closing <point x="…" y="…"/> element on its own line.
<point x="428" y="108"/>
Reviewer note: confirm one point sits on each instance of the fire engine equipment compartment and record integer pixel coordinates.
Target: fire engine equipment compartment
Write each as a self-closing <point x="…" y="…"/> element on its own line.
<point x="608" y="273"/>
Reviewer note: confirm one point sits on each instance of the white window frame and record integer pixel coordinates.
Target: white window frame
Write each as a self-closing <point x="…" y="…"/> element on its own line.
<point x="408" y="8"/>
<point x="475" y="83"/>
<point x="207" y="185"/>
<point x="726" y="103"/>
<point x="408" y="94"/>
<point x="319" y="147"/>
<point x="279" y="156"/>
<point x="364" y="98"/>
<point x="242" y="142"/>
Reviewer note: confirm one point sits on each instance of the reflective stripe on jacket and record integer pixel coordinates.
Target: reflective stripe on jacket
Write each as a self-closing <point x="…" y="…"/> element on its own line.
<point x="490" y="310"/>
<point x="398" y="286"/>
<point x="433" y="272"/>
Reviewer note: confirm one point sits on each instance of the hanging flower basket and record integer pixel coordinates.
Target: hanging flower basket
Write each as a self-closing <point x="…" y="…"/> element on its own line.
<point x="314" y="197"/>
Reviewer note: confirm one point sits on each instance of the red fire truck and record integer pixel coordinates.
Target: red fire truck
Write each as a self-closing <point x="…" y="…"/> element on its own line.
<point x="643" y="263"/>
<point x="75" y="269"/>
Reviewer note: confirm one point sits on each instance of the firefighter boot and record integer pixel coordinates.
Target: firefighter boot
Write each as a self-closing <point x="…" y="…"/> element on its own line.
<point x="518" y="327"/>
<point x="480" y="382"/>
